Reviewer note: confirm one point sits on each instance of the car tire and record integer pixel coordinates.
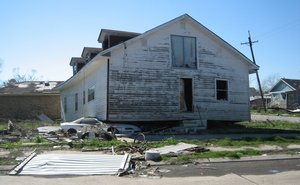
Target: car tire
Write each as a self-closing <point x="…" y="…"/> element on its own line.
<point x="72" y="131"/>
<point x="113" y="130"/>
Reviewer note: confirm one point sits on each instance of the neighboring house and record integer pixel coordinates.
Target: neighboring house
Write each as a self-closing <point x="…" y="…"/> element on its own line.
<point x="285" y="94"/>
<point x="256" y="101"/>
<point x="255" y="98"/>
<point x="27" y="100"/>
<point x="179" y="71"/>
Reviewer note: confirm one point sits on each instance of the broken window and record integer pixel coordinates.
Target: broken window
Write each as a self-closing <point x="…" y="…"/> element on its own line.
<point x="186" y="94"/>
<point x="222" y="90"/>
<point x="76" y="101"/>
<point x="183" y="51"/>
<point x="65" y="104"/>
<point x="91" y="93"/>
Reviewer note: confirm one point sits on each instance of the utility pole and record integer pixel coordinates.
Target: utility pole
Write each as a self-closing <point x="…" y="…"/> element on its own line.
<point x="250" y="42"/>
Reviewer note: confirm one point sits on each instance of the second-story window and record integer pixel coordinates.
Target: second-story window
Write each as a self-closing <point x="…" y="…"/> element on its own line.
<point x="184" y="51"/>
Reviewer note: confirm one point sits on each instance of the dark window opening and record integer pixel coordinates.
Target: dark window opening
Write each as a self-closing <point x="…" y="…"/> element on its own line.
<point x="83" y="97"/>
<point x="76" y="101"/>
<point x="184" y="51"/>
<point x="65" y="104"/>
<point x="222" y="90"/>
<point x="186" y="95"/>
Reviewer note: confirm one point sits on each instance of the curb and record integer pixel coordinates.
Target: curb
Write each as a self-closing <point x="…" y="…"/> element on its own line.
<point x="242" y="159"/>
<point x="250" y="158"/>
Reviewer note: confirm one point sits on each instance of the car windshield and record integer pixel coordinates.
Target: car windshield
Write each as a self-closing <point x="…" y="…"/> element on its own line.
<point x="89" y="121"/>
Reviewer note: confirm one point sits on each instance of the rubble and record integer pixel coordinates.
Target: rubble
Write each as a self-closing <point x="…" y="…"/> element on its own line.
<point x="93" y="131"/>
<point x="177" y="149"/>
<point x="143" y="162"/>
<point x="44" y="117"/>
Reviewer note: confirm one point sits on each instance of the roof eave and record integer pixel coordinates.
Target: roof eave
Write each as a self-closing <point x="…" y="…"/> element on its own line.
<point x="72" y="78"/>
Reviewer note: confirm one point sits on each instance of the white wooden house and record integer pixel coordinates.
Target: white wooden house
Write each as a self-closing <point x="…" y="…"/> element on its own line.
<point x="178" y="71"/>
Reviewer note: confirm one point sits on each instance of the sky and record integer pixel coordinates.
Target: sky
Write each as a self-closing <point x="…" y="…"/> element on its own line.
<point x="43" y="35"/>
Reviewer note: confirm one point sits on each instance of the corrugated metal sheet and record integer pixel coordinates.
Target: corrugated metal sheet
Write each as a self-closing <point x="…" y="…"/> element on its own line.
<point x="75" y="164"/>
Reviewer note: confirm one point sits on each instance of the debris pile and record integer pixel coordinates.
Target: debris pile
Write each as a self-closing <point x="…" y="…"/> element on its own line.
<point x="133" y="154"/>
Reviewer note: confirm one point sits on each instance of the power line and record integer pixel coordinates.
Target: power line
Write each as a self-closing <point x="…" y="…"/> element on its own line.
<point x="279" y="28"/>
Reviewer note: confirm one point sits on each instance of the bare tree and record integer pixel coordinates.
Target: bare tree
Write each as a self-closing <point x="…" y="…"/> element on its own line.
<point x="269" y="82"/>
<point x="18" y="77"/>
<point x="32" y="76"/>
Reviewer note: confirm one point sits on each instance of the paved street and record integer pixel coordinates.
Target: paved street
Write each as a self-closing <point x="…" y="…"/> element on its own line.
<point x="266" y="167"/>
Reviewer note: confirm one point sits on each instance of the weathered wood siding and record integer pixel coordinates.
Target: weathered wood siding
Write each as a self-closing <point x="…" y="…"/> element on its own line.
<point x="95" y="75"/>
<point x="143" y="85"/>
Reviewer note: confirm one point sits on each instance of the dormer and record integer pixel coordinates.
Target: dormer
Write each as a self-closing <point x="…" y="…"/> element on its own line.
<point x="77" y="63"/>
<point x="110" y="38"/>
<point x="89" y="53"/>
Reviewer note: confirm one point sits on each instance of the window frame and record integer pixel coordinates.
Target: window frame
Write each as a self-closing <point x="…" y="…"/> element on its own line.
<point x="217" y="90"/>
<point x="91" y="93"/>
<point x="186" y="62"/>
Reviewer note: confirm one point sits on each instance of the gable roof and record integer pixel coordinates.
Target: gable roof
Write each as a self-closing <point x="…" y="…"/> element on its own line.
<point x="252" y="67"/>
<point x="137" y="36"/>
<point x="76" y="60"/>
<point x="106" y="32"/>
<point x="89" y="50"/>
<point x="295" y="84"/>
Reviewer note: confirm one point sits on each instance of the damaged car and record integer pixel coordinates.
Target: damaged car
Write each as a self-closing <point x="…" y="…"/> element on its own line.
<point x="115" y="128"/>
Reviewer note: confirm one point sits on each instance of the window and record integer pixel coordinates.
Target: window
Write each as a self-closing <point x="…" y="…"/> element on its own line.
<point x="91" y="93"/>
<point x="83" y="97"/>
<point x="76" y="101"/>
<point x="183" y="51"/>
<point x="65" y="104"/>
<point x="222" y="90"/>
<point x="186" y="95"/>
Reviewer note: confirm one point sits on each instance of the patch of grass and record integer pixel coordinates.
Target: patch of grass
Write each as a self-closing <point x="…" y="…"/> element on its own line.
<point x="169" y="141"/>
<point x="38" y="139"/>
<point x="283" y="125"/>
<point x="11" y="145"/>
<point x="274" y="112"/>
<point x="8" y="161"/>
<point x="102" y="143"/>
<point x="228" y="142"/>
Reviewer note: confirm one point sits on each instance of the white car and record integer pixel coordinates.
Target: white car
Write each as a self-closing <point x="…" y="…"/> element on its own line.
<point x="116" y="128"/>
